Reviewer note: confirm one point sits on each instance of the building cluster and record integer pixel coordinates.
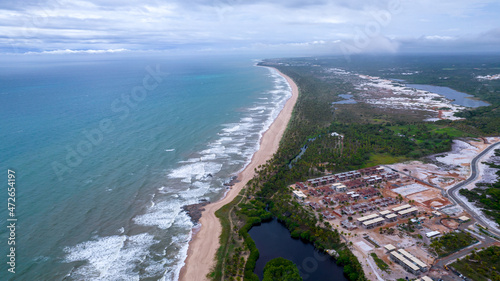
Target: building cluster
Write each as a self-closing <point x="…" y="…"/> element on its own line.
<point x="376" y="219"/>
<point x="328" y="215"/>
<point x="409" y="262"/>
<point x="353" y="179"/>
<point x="335" y="188"/>
<point x="356" y="192"/>
<point x="405" y="210"/>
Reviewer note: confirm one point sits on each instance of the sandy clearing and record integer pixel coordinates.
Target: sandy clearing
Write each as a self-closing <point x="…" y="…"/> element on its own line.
<point x="203" y="246"/>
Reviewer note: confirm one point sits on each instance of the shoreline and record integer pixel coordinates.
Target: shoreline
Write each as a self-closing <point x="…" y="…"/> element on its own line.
<point x="204" y="244"/>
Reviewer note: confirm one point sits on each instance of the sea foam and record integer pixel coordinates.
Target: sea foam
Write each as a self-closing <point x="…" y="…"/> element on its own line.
<point x="198" y="176"/>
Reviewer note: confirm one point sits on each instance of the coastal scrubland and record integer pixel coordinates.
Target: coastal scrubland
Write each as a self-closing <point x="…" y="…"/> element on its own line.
<point x="480" y="265"/>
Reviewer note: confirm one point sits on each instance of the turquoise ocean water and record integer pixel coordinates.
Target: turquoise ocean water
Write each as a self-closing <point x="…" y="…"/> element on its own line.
<point x="108" y="150"/>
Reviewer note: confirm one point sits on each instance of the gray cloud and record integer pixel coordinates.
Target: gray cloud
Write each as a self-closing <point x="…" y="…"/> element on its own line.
<point x="293" y="25"/>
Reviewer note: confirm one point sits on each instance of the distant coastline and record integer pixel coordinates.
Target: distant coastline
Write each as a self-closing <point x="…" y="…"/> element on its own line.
<point x="205" y="242"/>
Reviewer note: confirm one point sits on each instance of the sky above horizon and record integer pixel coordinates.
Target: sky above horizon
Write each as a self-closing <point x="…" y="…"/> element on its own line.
<point x="288" y="27"/>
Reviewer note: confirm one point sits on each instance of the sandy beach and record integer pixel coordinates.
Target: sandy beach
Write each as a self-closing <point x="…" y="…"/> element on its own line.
<point x="204" y="244"/>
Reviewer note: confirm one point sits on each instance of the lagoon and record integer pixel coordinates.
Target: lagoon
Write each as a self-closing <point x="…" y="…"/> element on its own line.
<point x="274" y="240"/>
<point x="457" y="97"/>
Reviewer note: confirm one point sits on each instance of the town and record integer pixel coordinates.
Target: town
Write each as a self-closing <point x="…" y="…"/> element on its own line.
<point x="387" y="214"/>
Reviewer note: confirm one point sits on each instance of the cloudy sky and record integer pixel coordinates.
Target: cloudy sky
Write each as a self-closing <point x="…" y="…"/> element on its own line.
<point x="279" y="26"/>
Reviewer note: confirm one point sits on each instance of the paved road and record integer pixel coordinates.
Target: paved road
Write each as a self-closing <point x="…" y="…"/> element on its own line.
<point x="484" y="241"/>
<point x="452" y="192"/>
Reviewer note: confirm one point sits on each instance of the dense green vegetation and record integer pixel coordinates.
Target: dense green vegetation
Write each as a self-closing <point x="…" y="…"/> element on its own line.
<point x="480" y="266"/>
<point x="371" y="136"/>
<point x="232" y="267"/>
<point x="365" y="144"/>
<point x="280" y="269"/>
<point x="451" y="242"/>
<point x="487" y="196"/>
<point x="380" y="263"/>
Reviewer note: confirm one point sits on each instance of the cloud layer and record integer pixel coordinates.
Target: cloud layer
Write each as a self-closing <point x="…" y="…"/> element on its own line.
<point x="316" y="26"/>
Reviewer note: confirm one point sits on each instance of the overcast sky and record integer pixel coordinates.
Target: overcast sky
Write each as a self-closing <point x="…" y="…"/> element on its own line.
<point x="287" y="26"/>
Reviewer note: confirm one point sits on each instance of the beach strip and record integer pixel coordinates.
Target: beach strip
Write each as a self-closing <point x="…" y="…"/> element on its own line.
<point x="204" y="244"/>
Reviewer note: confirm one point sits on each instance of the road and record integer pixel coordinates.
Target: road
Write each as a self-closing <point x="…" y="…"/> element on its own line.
<point x="452" y="192"/>
<point x="484" y="241"/>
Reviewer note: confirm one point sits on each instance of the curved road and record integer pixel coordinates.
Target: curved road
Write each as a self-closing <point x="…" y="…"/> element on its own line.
<point x="483" y="241"/>
<point x="452" y="191"/>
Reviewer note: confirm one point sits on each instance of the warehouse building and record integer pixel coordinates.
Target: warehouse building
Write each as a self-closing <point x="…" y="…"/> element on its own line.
<point x="400" y="208"/>
<point x="373" y="223"/>
<point x="408" y="212"/>
<point x="413" y="259"/>
<point x="405" y="263"/>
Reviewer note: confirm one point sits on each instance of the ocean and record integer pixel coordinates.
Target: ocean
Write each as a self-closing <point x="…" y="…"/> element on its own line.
<point x="108" y="149"/>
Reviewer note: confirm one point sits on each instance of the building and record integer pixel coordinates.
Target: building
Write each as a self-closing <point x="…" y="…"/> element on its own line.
<point x="314" y="193"/>
<point x="425" y="278"/>
<point x="315" y="206"/>
<point x="373" y="223"/>
<point x="463" y="218"/>
<point x="339" y="187"/>
<point x="342" y="198"/>
<point x="408" y="212"/>
<point x="402" y="207"/>
<point x="369" y="171"/>
<point x="365" y="207"/>
<point x="432" y="234"/>
<point x="325" y="190"/>
<point x="369" y="192"/>
<point x="413" y="259"/>
<point x="404" y="262"/>
<point x="299" y="194"/>
<point x="391" y="176"/>
<point x="348" y="225"/>
<point x="354" y="184"/>
<point x="335" y="134"/>
<point x="322" y="181"/>
<point x="436" y="213"/>
<point x="341" y="177"/>
<point x="327" y="215"/>
<point x="391" y="217"/>
<point x="328" y="201"/>
<point x="385" y="213"/>
<point x="389" y="248"/>
<point x="384" y="202"/>
<point x="389" y="200"/>
<point x="301" y="185"/>
<point x="347" y="210"/>
<point x="366" y="218"/>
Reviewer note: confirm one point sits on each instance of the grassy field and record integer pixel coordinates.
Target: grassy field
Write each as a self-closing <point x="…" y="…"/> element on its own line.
<point x="380" y="263"/>
<point x="384" y="158"/>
